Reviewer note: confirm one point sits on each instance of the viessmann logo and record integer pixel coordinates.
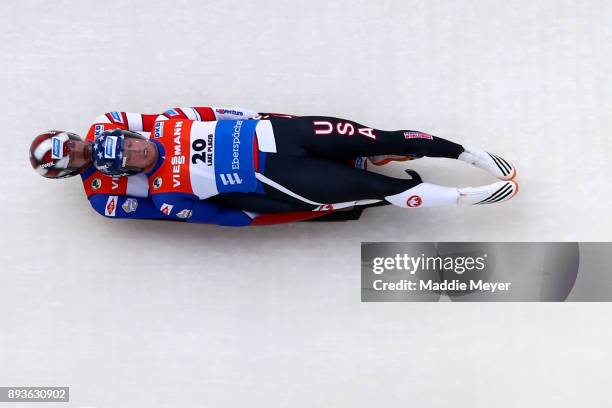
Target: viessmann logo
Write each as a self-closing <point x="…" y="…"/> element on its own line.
<point x="178" y="159"/>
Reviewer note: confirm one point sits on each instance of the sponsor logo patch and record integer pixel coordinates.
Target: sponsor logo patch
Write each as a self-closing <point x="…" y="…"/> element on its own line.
<point x="417" y="135"/>
<point x="324" y="207"/>
<point x="109" y="147"/>
<point x="166" y="208"/>
<point x="98" y="129"/>
<point x="158" y="131"/>
<point x="230" y="178"/>
<point x="117" y="117"/>
<point x="361" y="163"/>
<point x="178" y="159"/>
<point x="96" y="183"/>
<point x="184" y="214"/>
<point x="57" y="148"/>
<point x="414" y="201"/>
<point x="229" y="111"/>
<point x="171" y="112"/>
<point x="130" y="205"/>
<point x="236" y="149"/>
<point x="157" y="182"/>
<point x="111" y="206"/>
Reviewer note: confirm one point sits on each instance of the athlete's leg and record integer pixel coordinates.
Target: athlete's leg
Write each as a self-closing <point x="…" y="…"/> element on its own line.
<point x="314" y="182"/>
<point x="329" y="137"/>
<point x="334" y="138"/>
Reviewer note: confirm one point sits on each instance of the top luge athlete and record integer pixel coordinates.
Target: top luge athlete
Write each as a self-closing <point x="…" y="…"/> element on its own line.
<point x="237" y="167"/>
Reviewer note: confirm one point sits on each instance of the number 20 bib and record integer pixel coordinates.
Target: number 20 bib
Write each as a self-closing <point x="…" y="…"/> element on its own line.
<point x="206" y="158"/>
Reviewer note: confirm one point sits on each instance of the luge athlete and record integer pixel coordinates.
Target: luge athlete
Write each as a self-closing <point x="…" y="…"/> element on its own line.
<point x="59" y="154"/>
<point x="293" y="161"/>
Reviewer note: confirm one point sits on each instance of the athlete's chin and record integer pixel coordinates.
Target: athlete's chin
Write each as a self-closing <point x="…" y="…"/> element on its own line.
<point x="142" y="160"/>
<point x="139" y="164"/>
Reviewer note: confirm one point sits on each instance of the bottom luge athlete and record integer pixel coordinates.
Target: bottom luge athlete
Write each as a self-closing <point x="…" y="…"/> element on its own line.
<point x="266" y="168"/>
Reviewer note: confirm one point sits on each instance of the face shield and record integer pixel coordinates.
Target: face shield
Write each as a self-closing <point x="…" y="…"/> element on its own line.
<point x="121" y="152"/>
<point x="70" y="154"/>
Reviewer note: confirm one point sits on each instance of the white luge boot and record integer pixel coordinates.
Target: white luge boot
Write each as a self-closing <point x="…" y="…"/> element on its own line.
<point x="492" y="193"/>
<point x="425" y="195"/>
<point x="494" y="164"/>
<point x="432" y="195"/>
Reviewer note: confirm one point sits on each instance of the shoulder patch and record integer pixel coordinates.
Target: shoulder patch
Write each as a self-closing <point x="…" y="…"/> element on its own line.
<point x="166" y="208"/>
<point x="99" y="183"/>
<point x="130" y="205"/>
<point x="158" y="130"/>
<point x="184" y="214"/>
<point x="157" y="183"/>
<point x="117" y="117"/>
<point x="111" y="206"/>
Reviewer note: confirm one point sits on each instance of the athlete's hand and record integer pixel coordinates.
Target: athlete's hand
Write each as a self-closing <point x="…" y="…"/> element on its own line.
<point x="414" y="175"/>
<point x="269" y="115"/>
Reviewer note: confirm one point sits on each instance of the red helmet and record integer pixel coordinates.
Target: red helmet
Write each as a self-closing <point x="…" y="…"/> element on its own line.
<point x="49" y="154"/>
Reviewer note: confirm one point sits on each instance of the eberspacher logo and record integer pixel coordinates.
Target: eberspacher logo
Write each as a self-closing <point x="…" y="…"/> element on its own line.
<point x="236" y="145"/>
<point x="230" y="178"/>
<point x="411" y="264"/>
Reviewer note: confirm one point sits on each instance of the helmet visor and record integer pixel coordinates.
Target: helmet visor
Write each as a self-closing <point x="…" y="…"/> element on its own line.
<point x="68" y="153"/>
<point x="136" y="153"/>
<point x="121" y="152"/>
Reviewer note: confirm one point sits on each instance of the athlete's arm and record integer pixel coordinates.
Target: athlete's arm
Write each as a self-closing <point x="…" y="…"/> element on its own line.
<point x="124" y="206"/>
<point x="206" y="212"/>
<point x="284" y="218"/>
<point x="269" y="115"/>
<point x="143" y="122"/>
<point x="190" y="209"/>
<point x="207" y="114"/>
<point x="136" y="122"/>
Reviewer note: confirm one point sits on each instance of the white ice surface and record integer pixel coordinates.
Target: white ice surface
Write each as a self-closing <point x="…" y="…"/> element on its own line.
<point x="154" y="314"/>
